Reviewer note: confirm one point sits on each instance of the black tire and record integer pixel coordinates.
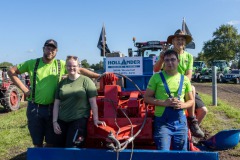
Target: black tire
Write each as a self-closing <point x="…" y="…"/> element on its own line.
<point x="220" y="80"/>
<point x="198" y="79"/>
<point x="12" y="98"/>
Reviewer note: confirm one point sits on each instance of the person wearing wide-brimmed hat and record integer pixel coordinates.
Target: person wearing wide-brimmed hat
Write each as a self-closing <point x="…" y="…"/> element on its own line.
<point x="179" y="40"/>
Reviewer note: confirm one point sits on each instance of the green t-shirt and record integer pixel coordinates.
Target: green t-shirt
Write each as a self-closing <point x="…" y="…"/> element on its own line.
<point x="186" y="62"/>
<point x="46" y="79"/>
<point x="156" y="84"/>
<point x="74" y="98"/>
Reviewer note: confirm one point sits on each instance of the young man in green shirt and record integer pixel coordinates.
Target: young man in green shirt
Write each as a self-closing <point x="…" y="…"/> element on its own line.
<point x="179" y="41"/>
<point x="40" y="96"/>
<point x="171" y="93"/>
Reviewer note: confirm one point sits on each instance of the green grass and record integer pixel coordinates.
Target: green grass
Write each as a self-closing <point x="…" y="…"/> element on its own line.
<point x="221" y="117"/>
<point x="14" y="135"/>
<point x="15" y="138"/>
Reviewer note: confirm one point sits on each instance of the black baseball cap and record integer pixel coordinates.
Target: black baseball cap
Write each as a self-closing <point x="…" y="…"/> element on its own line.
<point x="51" y="42"/>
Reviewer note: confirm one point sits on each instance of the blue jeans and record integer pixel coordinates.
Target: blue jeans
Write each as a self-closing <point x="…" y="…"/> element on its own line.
<point x="171" y="130"/>
<point x="40" y="123"/>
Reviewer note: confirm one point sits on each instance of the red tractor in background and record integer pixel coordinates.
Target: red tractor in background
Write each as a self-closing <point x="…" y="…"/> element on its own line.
<point x="10" y="96"/>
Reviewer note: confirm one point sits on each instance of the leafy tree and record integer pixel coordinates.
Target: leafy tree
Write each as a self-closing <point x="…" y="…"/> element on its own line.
<point x="85" y="64"/>
<point x="98" y="66"/>
<point x="224" y="45"/>
<point x="200" y="57"/>
<point x="6" y="64"/>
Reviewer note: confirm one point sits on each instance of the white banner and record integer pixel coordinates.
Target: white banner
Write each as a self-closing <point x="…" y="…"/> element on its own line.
<point x="125" y="65"/>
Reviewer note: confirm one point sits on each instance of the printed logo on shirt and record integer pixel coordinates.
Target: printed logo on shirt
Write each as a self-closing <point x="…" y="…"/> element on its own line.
<point x="54" y="70"/>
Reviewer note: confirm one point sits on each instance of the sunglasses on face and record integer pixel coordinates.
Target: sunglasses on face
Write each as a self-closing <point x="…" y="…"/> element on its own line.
<point x="72" y="57"/>
<point x="167" y="60"/>
<point x="50" y="48"/>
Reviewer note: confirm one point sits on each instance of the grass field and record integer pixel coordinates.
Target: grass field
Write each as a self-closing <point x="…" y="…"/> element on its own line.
<point x="15" y="138"/>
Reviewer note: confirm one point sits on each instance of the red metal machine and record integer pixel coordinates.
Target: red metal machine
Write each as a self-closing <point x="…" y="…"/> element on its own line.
<point x="121" y="104"/>
<point x="127" y="117"/>
<point x="129" y="120"/>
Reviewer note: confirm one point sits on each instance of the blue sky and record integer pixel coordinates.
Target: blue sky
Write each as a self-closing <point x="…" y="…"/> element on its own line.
<point x="76" y="24"/>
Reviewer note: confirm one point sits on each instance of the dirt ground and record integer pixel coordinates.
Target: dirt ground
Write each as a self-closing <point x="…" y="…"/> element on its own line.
<point x="226" y="92"/>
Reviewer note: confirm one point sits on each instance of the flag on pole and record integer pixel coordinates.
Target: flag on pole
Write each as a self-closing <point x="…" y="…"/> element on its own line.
<point x="185" y="29"/>
<point x="102" y="43"/>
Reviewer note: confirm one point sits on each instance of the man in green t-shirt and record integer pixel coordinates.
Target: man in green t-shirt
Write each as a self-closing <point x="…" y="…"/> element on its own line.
<point x="170" y="123"/>
<point x="179" y="40"/>
<point x="44" y="74"/>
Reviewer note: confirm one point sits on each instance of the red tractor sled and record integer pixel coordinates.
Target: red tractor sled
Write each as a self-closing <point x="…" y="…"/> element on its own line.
<point x="129" y="130"/>
<point x="9" y="93"/>
<point x="120" y="101"/>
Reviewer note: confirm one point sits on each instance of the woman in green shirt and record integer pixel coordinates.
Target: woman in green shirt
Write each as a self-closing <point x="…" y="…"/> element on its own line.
<point x="75" y="97"/>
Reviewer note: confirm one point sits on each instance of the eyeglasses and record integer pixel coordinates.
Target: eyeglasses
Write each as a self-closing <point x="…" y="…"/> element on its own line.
<point x="50" y="48"/>
<point x="72" y="57"/>
<point x="170" y="60"/>
<point x="72" y="66"/>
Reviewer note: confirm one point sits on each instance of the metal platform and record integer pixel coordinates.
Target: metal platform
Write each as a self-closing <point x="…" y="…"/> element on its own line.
<point x="102" y="154"/>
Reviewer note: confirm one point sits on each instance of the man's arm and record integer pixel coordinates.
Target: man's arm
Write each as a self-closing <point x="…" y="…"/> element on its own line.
<point x="189" y="68"/>
<point x="150" y="98"/>
<point x="189" y="100"/>
<point x="189" y="74"/>
<point x="13" y="75"/>
<point x="159" y="64"/>
<point x="88" y="73"/>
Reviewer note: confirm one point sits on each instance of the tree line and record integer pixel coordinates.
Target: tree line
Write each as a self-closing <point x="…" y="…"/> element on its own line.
<point x="225" y="45"/>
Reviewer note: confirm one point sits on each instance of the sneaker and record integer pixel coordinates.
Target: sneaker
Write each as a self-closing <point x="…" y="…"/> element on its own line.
<point x="194" y="141"/>
<point x="195" y="129"/>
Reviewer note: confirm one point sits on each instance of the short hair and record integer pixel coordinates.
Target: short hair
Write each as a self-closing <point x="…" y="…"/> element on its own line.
<point x="170" y="52"/>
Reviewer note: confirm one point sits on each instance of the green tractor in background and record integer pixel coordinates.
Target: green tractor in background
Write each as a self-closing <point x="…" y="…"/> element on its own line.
<point x="201" y="73"/>
<point x="222" y="69"/>
<point x="199" y="68"/>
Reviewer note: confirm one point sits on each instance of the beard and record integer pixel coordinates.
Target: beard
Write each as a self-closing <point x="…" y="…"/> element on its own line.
<point x="49" y="56"/>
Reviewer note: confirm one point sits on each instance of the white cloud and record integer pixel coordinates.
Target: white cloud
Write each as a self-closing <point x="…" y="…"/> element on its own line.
<point x="30" y="51"/>
<point x="233" y="22"/>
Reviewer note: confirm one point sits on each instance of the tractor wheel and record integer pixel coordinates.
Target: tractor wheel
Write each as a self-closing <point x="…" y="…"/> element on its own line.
<point x="220" y="79"/>
<point x="12" y="98"/>
<point x="198" y="78"/>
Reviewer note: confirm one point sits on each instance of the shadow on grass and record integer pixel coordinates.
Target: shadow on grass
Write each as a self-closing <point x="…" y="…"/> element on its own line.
<point x="22" y="156"/>
<point x="3" y="110"/>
